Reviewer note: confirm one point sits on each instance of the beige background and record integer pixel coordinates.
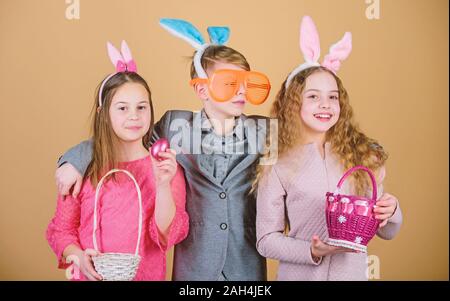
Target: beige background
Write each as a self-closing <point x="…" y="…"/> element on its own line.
<point x="397" y="77"/>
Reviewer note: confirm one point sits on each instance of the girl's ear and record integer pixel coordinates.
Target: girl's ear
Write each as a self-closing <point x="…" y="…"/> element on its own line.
<point x="99" y="109"/>
<point x="202" y="91"/>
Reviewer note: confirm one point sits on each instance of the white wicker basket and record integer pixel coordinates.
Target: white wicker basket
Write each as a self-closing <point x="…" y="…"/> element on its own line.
<point x="117" y="266"/>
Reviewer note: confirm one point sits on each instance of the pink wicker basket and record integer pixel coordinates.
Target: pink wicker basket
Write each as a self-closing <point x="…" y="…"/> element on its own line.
<point x="350" y="219"/>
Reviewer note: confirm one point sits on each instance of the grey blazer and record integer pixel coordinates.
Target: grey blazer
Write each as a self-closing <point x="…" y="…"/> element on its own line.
<point x="222" y="216"/>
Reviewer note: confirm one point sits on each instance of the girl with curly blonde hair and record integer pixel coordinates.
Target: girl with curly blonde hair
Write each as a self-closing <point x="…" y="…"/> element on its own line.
<point x="318" y="140"/>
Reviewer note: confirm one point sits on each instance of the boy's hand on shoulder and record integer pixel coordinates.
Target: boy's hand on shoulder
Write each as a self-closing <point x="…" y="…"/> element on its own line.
<point x="67" y="176"/>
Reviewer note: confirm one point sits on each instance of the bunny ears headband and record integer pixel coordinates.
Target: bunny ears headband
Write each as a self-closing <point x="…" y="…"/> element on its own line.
<point x="187" y="32"/>
<point x="123" y="62"/>
<point x="310" y="47"/>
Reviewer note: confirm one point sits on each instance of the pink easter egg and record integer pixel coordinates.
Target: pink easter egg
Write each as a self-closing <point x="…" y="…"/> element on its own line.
<point x="161" y="145"/>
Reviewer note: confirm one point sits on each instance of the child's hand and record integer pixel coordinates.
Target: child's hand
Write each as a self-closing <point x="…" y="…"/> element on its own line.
<point x="86" y="264"/>
<point x="386" y="207"/>
<point x="165" y="169"/>
<point x="65" y="177"/>
<point x="320" y="249"/>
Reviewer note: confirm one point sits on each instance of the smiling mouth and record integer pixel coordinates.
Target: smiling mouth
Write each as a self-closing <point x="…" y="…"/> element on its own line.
<point x="134" y="128"/>
<point x="323" y="116"/>
<point x="239" y="102"/>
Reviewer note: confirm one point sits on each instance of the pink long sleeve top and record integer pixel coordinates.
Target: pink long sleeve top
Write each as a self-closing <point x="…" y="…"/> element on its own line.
<point x="117" y="216"/>
<point x="292" y="193"/>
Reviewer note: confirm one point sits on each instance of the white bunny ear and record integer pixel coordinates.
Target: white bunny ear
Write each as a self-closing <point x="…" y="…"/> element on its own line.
<point x="126" y="53"/>
<point x="309" y="40"/>
<point x="114" y="54"/>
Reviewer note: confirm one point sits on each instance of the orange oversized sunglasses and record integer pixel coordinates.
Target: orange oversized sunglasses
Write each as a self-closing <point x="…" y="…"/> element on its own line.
<point x="225" y="83"/>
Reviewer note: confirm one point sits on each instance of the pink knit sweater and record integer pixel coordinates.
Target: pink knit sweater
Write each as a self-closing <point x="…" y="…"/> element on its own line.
<point x="118" y="212"/>
<point x="293" y="193"/>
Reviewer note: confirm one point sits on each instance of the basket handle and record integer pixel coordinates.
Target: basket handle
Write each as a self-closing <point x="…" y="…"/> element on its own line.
<point x="140" y="206"/>
<point x="372" y="178"/>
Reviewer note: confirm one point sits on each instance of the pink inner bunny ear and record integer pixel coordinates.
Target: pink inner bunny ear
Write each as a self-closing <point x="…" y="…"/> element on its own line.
<point x="309" y="40"/>
<point x="114" y="54"/>
<point x="126" y="53"/>
<point x="338" y="52"/>
<point x="342" y="49"/>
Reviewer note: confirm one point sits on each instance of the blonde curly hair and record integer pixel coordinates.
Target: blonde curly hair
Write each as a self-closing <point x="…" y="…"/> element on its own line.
<point x="351" y="145"/>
